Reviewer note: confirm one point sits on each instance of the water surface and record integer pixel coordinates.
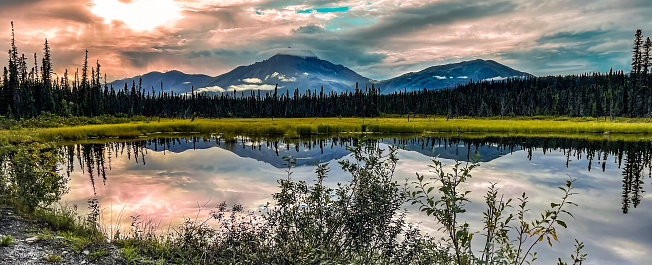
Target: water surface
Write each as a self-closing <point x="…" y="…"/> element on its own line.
<point x="168" y="179"/>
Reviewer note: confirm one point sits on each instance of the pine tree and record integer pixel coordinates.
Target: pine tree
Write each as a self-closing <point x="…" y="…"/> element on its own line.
<point x="646" y="57"/>
<point x="637" y="58"/>
<point x="85" y="71"/>
<point x="46" y="67"/>
<point x="10" y="89"/>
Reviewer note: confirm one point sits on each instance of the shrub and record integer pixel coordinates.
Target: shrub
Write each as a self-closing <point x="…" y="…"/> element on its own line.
<point x="446" y="205"/>
<point x="31" y="174"/>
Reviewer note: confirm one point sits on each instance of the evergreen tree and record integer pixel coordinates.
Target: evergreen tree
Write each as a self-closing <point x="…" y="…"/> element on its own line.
<point x="645" y="69"/>
<point x="84" y="79"/>
<point x="637" y="58"/>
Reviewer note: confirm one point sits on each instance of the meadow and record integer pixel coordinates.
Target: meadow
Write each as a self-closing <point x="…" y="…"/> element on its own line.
<point x="300" y="127"/>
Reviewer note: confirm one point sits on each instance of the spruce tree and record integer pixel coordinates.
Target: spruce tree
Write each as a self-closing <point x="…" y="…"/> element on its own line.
<point x="637" y="58"/>
<point x="85" y="71"/>
<point x="646" y="57"/>
<point x="12" y="87"/>
<point x="46" y="67"/>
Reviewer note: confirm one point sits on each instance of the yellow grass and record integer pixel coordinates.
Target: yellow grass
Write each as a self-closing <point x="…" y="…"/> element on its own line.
<point x="299" y="127"/>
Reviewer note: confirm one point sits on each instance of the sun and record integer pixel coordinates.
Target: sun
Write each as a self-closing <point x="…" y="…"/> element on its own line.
<point x="141" y="15"/>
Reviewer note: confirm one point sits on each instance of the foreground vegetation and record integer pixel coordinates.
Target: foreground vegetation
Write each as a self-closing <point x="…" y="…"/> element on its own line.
<point x="361" y="221"/>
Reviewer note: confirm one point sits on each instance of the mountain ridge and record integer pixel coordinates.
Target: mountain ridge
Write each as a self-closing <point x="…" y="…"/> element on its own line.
<point x="451" y="75"/>
<point x="303" y="70"/>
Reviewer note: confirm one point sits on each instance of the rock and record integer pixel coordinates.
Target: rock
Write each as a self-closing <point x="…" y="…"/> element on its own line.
<point x="86" y="252"/>
<point x="31" y="240"/>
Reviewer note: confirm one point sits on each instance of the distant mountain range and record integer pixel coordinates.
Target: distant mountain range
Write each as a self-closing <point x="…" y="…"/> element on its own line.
<point x="173" y="81"/>
<point x="304" y="70"/>
<point x="450" y="75"/>
<point x="273" y="155"/>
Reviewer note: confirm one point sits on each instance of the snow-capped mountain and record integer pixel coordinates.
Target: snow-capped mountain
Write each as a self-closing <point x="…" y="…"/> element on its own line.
<point x="302" y="69"/>
<point x="299" y="69"/>
<point x="450" y="75"/>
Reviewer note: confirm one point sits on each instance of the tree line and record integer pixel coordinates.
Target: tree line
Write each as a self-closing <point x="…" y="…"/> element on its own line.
<point x="28" y="92"/>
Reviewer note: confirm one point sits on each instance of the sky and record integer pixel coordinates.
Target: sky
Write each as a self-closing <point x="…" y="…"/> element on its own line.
<point x="378" y="39"/>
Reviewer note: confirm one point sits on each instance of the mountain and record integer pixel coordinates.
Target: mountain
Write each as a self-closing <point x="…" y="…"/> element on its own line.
<point x="302" y="69"/>
<point x="270" y="154"/>
<point x="450" y="75"/>
<point x="290" y="70"/>
<point x="174" y="81"/>
<point x="461" y="151"/>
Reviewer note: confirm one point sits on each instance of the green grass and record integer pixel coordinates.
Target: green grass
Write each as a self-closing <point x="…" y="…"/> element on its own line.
<point x="301" y="127"/>
<point x="6" y="241"/>
<point x="53" y="258"/>
<point x="96" y="255"/>
<point x="62" y="221"/>
<point x="140" y="251"/>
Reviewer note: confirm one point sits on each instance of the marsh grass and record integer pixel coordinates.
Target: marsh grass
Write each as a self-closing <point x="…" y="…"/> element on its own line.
<point x="293" y="128"/>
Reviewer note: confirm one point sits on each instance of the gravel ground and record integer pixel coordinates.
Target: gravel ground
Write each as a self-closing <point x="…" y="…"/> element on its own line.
<point x="28" y="249"/>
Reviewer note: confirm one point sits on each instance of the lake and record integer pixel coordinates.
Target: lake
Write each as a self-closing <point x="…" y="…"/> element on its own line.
<point x="167" y="179"/>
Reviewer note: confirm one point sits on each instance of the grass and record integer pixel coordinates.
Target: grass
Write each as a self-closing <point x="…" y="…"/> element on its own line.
<point x="53" y="258"/>
<point x="96" y="255"/>
<point x="6" y="241"/>
<point x="301" y="127"/>
<point x="65" y="222"/>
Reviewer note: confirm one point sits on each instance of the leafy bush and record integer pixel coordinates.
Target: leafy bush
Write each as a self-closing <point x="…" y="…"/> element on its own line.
<point x="446" y="206"/>
<point x="358" y="222"/>
<point x="30" y="174"/>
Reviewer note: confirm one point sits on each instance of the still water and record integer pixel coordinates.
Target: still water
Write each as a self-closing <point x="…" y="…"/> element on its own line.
<point x="165" y="180"/>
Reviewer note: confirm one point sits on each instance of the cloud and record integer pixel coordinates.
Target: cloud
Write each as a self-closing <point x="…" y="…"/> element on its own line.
<point x="378" y="39"/>
<point x="210" y="89"/>
<point x="247" y="87"/>
<point x="252" y="80"/>
<point x="497" y="78"/>
<point x="281" y="77"/>
<point x="309" y="29"/>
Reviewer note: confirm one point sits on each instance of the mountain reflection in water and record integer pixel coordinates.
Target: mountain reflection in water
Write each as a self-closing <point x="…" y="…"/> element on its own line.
<point x="632" y="157"/>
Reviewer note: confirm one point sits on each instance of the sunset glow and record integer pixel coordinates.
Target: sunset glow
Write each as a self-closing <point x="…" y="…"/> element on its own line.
<point x="377" y="39"/>
<point x="139" y="15"/>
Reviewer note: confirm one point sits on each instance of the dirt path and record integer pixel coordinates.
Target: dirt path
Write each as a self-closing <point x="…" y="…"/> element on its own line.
<point x="27" y="248"/>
